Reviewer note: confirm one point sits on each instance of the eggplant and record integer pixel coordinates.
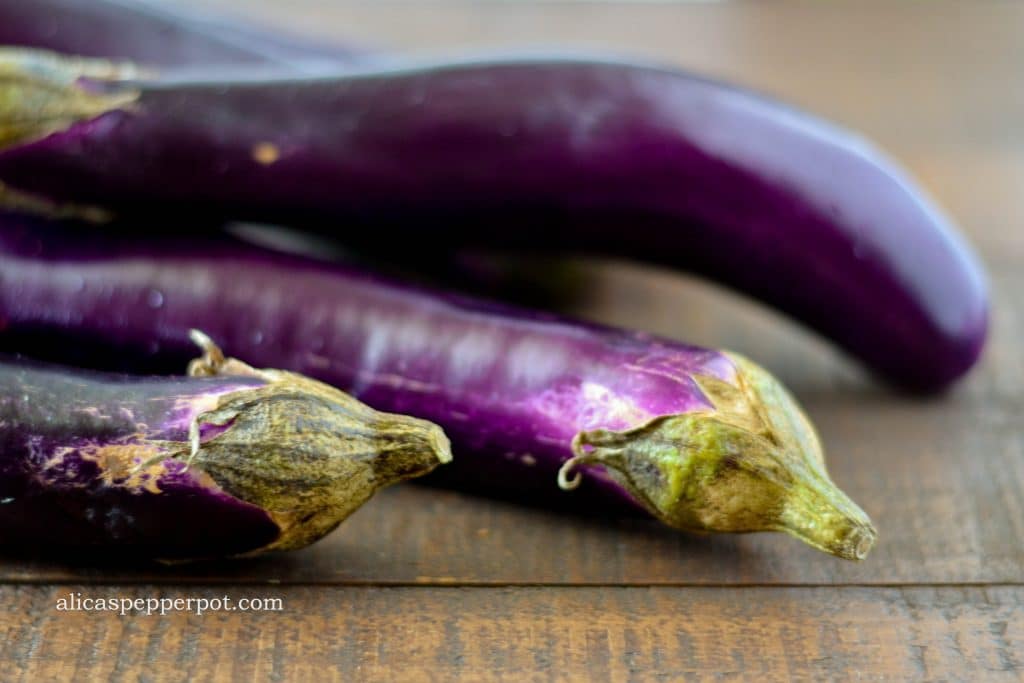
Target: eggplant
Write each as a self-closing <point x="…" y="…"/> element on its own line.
<point x="229" y="461"/>
<point x="158" y="34"/>
<point x="703" y="440"/>
<point x="593" y="156"/>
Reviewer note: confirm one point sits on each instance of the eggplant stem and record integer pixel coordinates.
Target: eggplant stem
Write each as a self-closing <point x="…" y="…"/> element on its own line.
<point x="213" y="362"/>
<point x="581" y="457"/>
<point x="212" y="359"/>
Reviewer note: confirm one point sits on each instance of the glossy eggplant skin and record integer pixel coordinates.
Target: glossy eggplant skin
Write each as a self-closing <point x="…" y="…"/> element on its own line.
<point x="156" y="33"/>
<point x="620" y="159"/>
<point x="69" y="441"/>
<point x="702" y="439"/>
<point x="511" y="387"/>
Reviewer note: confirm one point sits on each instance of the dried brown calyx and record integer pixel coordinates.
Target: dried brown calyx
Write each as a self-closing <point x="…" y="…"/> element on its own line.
<point x="304" y="451"/>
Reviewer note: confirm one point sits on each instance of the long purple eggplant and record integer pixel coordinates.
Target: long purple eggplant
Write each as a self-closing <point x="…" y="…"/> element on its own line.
<point x="585" y="155"/>
<point x="157" y="33"/>
<point x="232" y="461"/>
<point x="703" y="440"/>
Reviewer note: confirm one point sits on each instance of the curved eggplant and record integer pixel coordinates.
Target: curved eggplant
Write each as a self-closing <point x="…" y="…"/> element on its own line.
<point x="615" y="158"/>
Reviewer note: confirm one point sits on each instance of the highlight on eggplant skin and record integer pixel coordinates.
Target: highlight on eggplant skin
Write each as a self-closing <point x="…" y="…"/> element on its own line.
<point x="701" y="439"/>
<point x="229" y="461"/>
<point x="551" y="154"/>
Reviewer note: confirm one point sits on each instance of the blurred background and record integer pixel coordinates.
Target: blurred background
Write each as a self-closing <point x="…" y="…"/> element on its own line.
<point x="935" y="84"/>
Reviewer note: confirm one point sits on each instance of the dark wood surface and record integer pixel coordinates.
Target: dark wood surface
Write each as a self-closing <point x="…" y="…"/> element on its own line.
<point x="609" y="633"/>
<point x="424" y="584"/>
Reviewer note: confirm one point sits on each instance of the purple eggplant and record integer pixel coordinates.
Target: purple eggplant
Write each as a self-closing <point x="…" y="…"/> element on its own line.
<point x="231" y="461"/>
<point x="158" y="34"/>
<point x="703" y="440"/>
<point x="584" y="155"/>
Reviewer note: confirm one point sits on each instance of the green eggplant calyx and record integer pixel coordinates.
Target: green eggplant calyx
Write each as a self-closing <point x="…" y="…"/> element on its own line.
<point x="751" y="462"/>
<point x="42" y="93"/>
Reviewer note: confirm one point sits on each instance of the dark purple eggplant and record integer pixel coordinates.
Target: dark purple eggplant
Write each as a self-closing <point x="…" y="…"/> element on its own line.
<point x="231" y="461"/>
<point x="703" y="440"/>
<point x="583" y="155"/>
<point x="159" y="34"/>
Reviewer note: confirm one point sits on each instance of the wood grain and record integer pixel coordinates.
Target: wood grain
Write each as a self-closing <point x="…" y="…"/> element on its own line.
<point x="535" y="634"/>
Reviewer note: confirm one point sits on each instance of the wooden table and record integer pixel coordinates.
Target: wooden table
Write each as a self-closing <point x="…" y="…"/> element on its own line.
<point x="431" y="585"/>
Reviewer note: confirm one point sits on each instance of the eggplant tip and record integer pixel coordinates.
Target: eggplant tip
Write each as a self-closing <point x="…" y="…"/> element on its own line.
<point x="865" y="541"/>
<point x="442" y="446"/>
